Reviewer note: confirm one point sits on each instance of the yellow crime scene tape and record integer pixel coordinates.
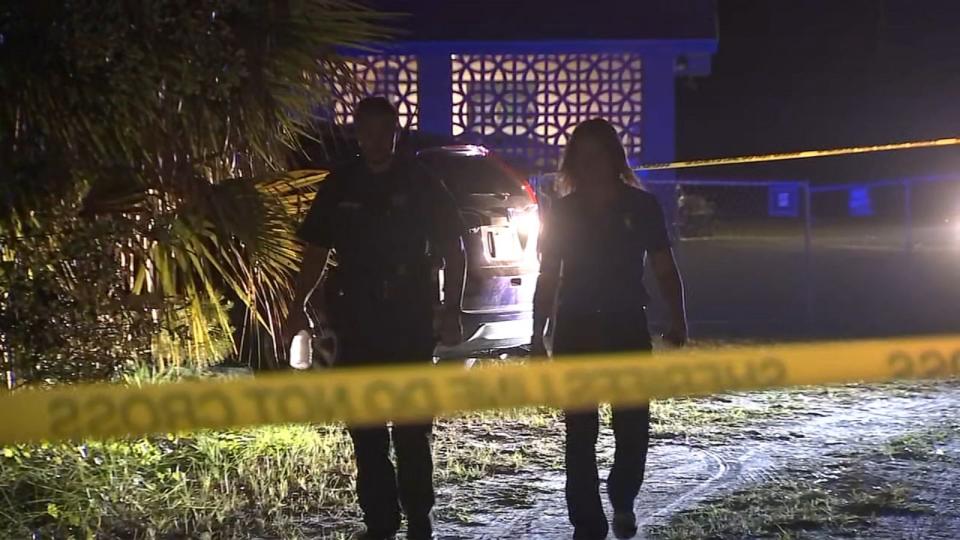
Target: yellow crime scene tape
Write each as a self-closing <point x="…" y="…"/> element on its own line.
<point x="408" y="393"/>
<point x="805" y="154"/>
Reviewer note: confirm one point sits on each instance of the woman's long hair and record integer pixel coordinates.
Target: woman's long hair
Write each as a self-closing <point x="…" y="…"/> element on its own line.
<point x="600" y="130"/>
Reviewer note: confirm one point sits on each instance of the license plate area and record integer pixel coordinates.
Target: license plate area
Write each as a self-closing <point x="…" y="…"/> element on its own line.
<point x="502" y="243"/>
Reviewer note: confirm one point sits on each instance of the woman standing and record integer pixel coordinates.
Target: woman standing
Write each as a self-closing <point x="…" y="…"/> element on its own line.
<point x="594" y="244"/>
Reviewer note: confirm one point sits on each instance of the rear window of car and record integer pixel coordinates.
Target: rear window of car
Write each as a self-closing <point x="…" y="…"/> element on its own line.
<point x="473" y="175"/>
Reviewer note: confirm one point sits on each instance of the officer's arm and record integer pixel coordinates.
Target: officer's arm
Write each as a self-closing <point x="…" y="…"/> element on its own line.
<point x="317" y="234"/>
<point x="447" y="232"/>
<point x="454" y="271"/>
<point x="308" y="279"/>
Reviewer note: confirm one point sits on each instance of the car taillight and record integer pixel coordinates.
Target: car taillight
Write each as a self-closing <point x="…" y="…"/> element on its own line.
<point x="530" y="192"/>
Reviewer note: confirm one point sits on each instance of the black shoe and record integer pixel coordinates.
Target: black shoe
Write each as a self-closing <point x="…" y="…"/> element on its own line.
<point x="420" y="528"/>
<point x="624" y="525"/>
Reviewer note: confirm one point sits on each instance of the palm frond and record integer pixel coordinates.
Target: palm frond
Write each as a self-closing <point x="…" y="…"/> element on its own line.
<point x="180" y="121"/>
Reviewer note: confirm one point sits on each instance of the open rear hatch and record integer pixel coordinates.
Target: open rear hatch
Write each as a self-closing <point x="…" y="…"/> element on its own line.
<point x="502" y="226"/>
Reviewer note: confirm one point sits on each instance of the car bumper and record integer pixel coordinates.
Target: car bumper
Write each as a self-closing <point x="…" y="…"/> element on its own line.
<point x="490" y="331"/>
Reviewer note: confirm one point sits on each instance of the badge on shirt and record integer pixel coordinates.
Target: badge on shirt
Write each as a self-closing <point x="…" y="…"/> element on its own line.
<point x="628" y="222"/>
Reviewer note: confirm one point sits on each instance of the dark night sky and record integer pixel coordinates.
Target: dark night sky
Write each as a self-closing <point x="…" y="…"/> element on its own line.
<point x="807" y="74"/>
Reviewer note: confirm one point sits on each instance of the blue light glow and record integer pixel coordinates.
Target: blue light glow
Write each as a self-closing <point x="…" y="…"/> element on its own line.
<point x="784" y="200"/>
<point x="860" y="204"/>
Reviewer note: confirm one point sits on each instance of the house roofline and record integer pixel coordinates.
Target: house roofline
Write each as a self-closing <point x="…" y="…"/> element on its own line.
<point x="674" y="47"/>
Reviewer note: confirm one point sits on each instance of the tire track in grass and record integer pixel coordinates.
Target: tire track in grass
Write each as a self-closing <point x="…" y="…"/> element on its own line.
<point x="822" y="427"/>
<point x="680" y="476"/>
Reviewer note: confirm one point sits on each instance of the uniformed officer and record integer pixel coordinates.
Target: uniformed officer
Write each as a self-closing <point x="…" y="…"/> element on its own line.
<point x="594" y="245"/>
<point x="391" y="226"/>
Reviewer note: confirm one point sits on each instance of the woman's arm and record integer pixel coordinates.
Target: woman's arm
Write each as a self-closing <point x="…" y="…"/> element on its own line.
<point x="544" y="299"/>
<point x="671" y="288"/>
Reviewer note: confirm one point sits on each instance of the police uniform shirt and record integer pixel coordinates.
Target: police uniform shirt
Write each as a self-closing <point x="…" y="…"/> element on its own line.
<point x="386" y="229"/>
<point x="602" y="250"/>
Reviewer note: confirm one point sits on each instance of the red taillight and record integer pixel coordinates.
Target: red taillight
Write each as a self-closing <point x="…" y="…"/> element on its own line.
<point x="530" y="192"/>
<point x="510" y="171"/>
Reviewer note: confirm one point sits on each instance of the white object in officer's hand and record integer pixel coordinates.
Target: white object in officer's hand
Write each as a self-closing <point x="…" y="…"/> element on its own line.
<point x="301" y="350"/>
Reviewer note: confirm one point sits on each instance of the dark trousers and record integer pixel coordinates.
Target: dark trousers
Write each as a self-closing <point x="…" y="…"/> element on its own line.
<point x="380" y="486"/>
<point x="598" y="333"/>
<point x="386" y="337"/>
<point x="631" y="429"/>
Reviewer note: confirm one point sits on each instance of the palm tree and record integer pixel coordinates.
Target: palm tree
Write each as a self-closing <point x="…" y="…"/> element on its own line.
<point x="174" y="120"/>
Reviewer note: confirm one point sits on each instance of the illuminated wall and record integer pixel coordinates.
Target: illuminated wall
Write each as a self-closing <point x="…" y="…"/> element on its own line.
<point x="529" y="104"/>
<point x="523" y="104"/>
<point x="393" y="76"/>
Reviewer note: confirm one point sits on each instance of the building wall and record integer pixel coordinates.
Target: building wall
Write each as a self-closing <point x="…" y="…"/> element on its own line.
<point x="523" y="102"/>
<point x="395" y="76"/>
<point x="527" y="105"/>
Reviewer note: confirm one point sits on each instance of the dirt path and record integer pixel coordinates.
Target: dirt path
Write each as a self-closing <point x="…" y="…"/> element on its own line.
<point x="813" y="437"/>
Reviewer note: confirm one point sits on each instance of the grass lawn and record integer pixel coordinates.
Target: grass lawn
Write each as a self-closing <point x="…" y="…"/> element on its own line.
<point x="266" y="480"/>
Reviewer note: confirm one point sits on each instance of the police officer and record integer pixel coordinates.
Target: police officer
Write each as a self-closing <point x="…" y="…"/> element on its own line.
<point x="593" y="248"/>
<point x="391" y="225"/>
